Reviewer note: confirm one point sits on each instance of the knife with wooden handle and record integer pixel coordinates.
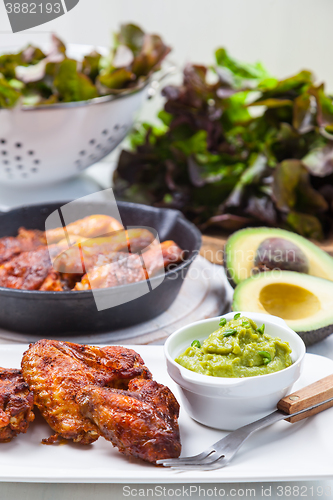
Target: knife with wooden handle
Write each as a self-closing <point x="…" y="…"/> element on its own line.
<point x="315" y="398"/>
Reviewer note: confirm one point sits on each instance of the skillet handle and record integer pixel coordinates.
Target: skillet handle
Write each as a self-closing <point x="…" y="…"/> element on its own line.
<point x="308" y="396"/>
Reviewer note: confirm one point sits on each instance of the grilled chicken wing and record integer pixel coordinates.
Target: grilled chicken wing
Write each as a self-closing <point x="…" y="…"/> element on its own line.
<point x="142" y="422"/>
<point x="89" y="227"/>
<point x="56" y="372"/>
<point x="26" y="241"/>
<point x="16" y="404"/>
<point x="131" y="268"/>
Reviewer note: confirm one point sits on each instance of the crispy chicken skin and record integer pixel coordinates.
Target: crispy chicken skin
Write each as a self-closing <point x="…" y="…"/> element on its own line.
<point x="142" y="421"/>
<point x="53" y="282"/>
<point x="16" y="404"/>
<point x="132" y="268"/>
<point x="56" y="372"/>
<point x="33" y="270"/>
<point x="29" y="271"/>
<point x="88" y="227"/>
<point x="93" y="252"/>
<point x="81" y="257"/>
<point x="26" y="241"/>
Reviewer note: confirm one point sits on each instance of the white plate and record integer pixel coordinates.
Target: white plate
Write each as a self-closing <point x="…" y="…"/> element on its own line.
<point x="282" y="451"/>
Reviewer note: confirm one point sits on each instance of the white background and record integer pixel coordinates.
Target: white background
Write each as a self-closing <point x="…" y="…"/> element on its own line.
<point x="287" y="35"/>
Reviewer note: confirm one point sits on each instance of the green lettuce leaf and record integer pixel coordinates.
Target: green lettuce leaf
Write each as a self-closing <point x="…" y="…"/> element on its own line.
<point x="71" y="85"/>
<point x="292" y="189"/>
<point x="306" y="225"/>
<point x="9" y="95"/>
<point x="240" y="148"/>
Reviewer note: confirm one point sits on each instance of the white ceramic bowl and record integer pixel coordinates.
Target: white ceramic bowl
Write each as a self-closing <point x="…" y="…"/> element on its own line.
<point x="229" y="403"/>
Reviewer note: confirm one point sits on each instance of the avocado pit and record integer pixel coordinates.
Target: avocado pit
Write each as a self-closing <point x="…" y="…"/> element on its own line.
<point x="280" y="253"/>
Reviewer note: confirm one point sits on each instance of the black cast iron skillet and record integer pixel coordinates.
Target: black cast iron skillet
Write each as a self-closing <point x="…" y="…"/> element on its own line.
<point x="63" y="313"/>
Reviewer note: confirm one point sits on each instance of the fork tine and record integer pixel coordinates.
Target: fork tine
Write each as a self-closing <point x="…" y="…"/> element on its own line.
<point x="188" y="461"/>
<point x="216" y="464"/>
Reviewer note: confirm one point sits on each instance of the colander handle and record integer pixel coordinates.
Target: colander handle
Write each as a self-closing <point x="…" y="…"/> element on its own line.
<point x="169" y="69"/>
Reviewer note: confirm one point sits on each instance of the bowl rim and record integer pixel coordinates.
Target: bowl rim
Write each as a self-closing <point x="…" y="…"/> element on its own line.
<point x="74" y="294"/>
<point x="89" y="102"/>
<point x="207" y="380"/>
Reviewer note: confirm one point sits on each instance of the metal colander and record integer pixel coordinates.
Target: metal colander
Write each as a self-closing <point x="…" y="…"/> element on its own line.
<point x="39" y="145"/>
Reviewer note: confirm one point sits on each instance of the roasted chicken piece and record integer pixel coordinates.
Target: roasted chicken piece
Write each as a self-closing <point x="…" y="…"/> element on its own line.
<point x="142" y="421"/>
<point x="171" y="254"/>
<point x="89" y="227"/>
<point x="34" y="271"/>
<point x="55" y="283"/>
<point x="56" y="372"/>
<point x="77" y="257"/>
<point x="16" y="404"/>
<point x="26" y="241"/>
<point x="30" y="271"/>
<point x="132" y="268"/>
<point x="81" y="257"/>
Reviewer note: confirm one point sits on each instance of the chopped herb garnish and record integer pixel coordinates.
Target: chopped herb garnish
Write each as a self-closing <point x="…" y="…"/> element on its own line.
<point x="222" y="322"/>
<point x="266" y="357"/>
<point x="246" y="324"/>
<point x="196" y="343"/>
<point x="227" y="333"/>
<point x="261" y="329"/>
<point x="238" y="315"/>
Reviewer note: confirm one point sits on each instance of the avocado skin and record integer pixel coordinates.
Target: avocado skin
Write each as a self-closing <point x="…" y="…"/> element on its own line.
<point x="313" y="336"/>
<point x="226" y="270"/>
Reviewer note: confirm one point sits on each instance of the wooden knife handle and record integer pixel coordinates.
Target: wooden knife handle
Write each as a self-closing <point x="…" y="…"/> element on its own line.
<point x="308" y="396"/>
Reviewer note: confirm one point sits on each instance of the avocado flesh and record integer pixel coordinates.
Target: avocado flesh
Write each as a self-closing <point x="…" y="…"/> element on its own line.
<point x="303" y="301"/>
<point x="241" y="249"/>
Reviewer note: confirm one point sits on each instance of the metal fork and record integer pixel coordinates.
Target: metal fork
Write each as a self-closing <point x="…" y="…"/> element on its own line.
<point x="220" y="453"/>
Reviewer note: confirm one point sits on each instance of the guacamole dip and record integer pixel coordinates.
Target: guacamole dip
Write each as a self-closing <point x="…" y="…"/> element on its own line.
<point x="237" y="349"/>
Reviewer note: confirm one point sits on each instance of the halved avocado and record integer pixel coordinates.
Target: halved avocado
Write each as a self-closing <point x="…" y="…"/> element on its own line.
<point x="303" y="301"/>
<point x="253" y="249"/>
